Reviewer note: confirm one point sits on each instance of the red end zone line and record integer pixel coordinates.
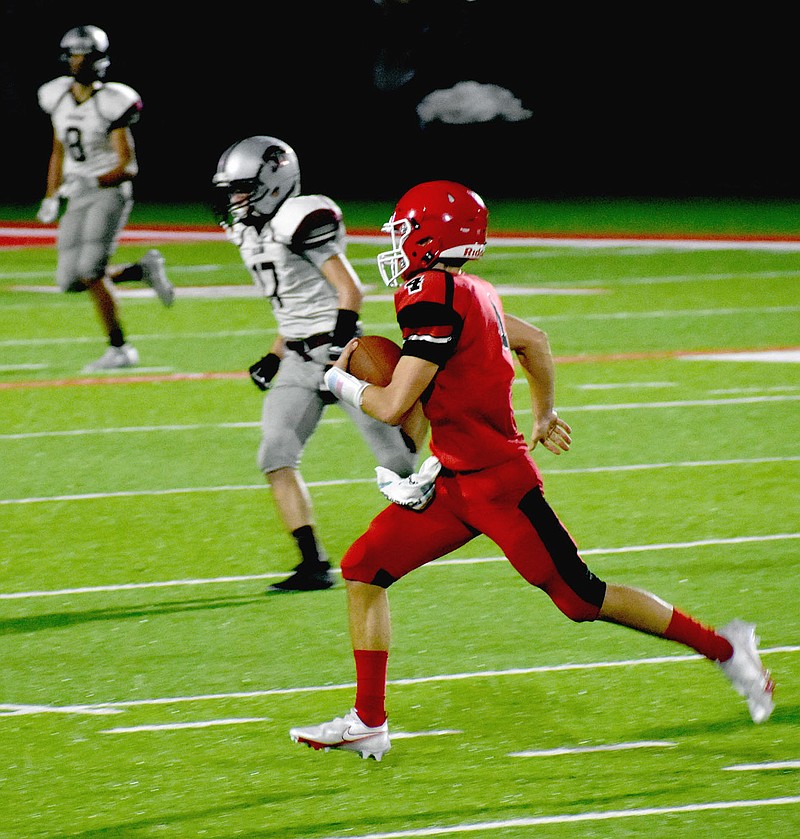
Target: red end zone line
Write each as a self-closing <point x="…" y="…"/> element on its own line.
<point x="132" y="378"/>
<point x="22" y="234"/>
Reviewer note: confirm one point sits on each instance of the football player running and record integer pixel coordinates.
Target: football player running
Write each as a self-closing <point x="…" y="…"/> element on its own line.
<point x="458" y="358"/>
<point x="294" y="248"/>
<point x="92" y="166"/>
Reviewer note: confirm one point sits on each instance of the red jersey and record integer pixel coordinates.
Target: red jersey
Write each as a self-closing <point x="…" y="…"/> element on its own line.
<point x="456" y="321"/>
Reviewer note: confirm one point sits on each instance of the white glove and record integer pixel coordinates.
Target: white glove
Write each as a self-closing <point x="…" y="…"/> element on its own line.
<point x="78" y="186"/>
<point x="416" y="491"/>
<point x="48" y="210"/>
<point x="233" y="232"/>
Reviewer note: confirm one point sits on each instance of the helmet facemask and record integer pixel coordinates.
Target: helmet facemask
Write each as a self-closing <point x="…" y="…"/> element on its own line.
<point x="233" y="200"/>
<point x="394" y="262"/>
<point x="434" y="221"/>
<point x="92" y="43"/>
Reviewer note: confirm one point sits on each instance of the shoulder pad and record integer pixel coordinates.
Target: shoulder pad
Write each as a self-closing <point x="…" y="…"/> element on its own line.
<point x="51" y="93"/>
<point x="306" y="221"/>
<point x="119" y="103"/>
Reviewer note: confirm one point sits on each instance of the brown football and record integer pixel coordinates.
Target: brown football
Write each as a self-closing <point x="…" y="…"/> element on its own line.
<point x="374" y="359"/>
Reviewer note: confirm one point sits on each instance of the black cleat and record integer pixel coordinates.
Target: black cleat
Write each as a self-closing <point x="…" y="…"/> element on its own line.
<point x="305" y="579"/>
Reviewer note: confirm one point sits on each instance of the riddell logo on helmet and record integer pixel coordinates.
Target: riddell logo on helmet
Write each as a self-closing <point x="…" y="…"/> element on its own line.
<point x="474" y="253"/>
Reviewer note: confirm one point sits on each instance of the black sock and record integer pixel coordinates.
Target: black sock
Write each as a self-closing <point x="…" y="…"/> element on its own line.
<point x="310" y="551"/>
<point x="115" y="337"/>
<point x="129" y="274"/>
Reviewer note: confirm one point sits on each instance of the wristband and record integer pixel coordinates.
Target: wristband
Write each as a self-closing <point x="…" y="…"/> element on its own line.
<point x="345" y="387"/>
<point x="345" y="329"/>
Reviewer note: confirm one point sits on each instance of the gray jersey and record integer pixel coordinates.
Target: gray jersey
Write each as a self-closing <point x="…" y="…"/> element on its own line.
<point x="285" y="259"/>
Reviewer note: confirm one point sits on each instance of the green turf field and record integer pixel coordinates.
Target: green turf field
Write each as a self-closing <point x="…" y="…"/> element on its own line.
<point x="147" y="684"/>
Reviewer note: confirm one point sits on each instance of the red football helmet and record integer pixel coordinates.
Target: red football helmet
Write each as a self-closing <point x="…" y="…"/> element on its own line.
<point x="432" y="221"/>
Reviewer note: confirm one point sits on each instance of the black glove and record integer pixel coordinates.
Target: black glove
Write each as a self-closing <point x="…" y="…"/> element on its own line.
<point x="327" y="397"/>
<point x="347" y="327"/>
<point x="263" y="371"/>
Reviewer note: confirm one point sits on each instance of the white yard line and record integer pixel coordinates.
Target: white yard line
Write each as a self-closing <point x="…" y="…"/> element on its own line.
<point x="664" y="314"/>
<point x="758" y="767"/>
<point x="581" y="750"/>
<point x="563" y="409"/>
<point x="622" y="385"/>
<point x="177" y="726"/>
<point x="657" y="315"/>
<point x="259" y="487"/>
<point x="182" y="336"/>
<point x="17" y="709"/>
<point x="244" y="578"/>
<point x="766" y="356"/>
<point x="574" y="818"/>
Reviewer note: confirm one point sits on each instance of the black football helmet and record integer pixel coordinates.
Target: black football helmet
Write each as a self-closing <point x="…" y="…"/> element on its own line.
<point x="92" y="42"/>
<point x="253" y="179"/>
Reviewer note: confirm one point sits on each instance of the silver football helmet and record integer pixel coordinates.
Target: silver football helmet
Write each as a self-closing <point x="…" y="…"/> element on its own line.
<point x="253" y="179"/>
<point x="92" y="42"/>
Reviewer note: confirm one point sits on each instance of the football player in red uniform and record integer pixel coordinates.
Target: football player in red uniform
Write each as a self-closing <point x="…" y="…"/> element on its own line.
<point x="92" y="165"/>
<point x="458" y="359"/>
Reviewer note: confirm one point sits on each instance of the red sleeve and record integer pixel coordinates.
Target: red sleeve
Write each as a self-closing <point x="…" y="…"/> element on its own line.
<point x="427" y="316"/>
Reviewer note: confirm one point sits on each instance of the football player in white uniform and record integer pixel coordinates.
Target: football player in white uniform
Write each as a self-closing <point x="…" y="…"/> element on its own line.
<point x="294" y="248"/>
<point x="92" y="166"/>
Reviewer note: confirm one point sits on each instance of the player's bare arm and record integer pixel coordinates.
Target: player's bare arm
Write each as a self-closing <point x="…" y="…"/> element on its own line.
<point x="342" y="276"/>
<point x="393" y="403"/>
<point x="122" y="142"/>
<point x="532" y="348"/>
<point x="55" y="168"/>
<point x="278" y="346"/>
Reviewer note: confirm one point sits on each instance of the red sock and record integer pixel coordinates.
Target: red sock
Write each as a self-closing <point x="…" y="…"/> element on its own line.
<point x="705" y="640"/>
<point x="371" y="685"/>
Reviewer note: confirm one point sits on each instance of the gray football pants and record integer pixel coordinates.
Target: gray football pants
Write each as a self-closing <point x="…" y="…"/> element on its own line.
<point x="87" y="234"/>
<point x="293" y="409"/>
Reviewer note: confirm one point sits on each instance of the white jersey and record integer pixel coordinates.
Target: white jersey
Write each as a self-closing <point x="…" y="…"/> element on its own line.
<point x="84" y="128"/>
<point x="285" y="260"/>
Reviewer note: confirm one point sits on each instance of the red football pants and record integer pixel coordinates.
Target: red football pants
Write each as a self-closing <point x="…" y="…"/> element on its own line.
<point x="506" y="504"/>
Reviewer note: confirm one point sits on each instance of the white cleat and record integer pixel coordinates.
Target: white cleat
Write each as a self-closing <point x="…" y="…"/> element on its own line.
<point x="153" y="273"/>
<point x="746" y="672"/>
<point x="114" y="358"/>
<point x="347" y="733"/>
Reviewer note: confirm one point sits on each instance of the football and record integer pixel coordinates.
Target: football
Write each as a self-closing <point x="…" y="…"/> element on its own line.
<point x="374" y="359"/>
